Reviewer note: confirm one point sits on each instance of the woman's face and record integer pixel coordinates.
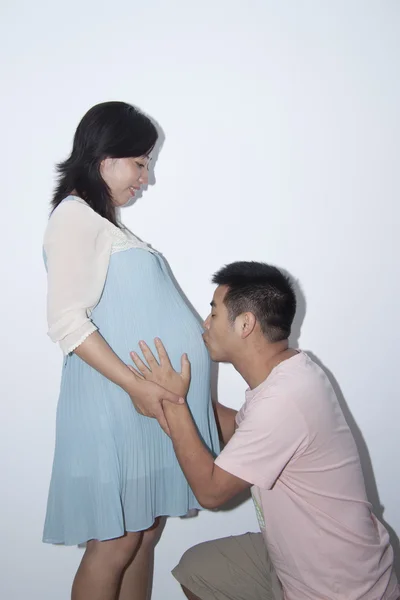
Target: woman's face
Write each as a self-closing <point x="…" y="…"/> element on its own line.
<point x="125" y="176"/>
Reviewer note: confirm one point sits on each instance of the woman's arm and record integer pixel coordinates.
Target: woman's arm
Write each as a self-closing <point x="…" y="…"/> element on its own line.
<point x="145" y="395"/>
<point x="97" y="353"/>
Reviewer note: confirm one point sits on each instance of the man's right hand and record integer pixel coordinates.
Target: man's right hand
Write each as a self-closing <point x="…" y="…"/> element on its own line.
<point x="147" y="398"/>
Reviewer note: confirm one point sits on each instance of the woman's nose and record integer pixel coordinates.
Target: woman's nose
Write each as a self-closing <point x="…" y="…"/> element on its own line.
<point x="144" y="178"/>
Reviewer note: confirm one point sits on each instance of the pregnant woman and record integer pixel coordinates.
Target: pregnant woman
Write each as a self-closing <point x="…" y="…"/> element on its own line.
<point x="114" y="470"/>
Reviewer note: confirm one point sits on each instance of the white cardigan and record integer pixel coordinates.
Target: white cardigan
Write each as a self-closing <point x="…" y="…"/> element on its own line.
<point x="78" y="244"/>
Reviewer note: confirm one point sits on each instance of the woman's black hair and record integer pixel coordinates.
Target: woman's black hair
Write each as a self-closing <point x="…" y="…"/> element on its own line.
<point x="108" y="130"/>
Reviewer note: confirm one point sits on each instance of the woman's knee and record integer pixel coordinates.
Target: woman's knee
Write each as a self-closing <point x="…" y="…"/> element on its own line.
<point x="115" y="553"/>
<point x="152" y="535"/>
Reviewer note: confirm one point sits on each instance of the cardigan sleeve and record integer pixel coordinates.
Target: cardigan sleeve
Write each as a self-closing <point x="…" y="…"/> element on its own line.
<point x="77" y="248"/>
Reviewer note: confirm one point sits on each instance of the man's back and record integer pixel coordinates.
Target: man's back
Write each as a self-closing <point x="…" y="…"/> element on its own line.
<point x="295" y="446"/>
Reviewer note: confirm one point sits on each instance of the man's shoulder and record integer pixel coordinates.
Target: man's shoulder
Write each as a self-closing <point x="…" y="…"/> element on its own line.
<point x="296" y="384"/>
<point x="295" y="373"/>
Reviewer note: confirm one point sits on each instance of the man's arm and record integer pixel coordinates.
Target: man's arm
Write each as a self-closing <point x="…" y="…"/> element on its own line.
<point x="225" y="418"/>
<point x="211" y="485"/>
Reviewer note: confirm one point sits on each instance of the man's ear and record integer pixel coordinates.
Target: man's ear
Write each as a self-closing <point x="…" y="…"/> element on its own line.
<point x="245" y="324"/>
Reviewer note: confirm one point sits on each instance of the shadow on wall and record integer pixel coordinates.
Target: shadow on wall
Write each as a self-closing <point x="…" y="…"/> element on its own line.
<point x="369" y="477"/>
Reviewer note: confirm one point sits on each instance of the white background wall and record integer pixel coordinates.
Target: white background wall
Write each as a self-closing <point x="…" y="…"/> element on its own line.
<point x="282" y="144"/>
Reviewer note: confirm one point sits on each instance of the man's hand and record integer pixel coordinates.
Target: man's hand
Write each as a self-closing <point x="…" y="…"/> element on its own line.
<point x="162" y="372"/>
<point x="148" y="399"/>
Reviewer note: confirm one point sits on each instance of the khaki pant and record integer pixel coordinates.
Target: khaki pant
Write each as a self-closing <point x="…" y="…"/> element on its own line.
<point x="233" y="568"/>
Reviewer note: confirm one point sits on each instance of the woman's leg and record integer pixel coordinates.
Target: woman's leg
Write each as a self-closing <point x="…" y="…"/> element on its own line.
<point x="137" y="579"/>
<point x="102" y="566"/>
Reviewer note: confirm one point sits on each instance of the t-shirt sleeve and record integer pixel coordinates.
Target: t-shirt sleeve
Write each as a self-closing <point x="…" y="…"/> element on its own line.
<point x="272" y="431"/>
<point x="77" y="249"/>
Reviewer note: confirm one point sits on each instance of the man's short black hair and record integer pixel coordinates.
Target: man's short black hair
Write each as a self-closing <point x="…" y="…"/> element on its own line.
<point x="262" y="290"/>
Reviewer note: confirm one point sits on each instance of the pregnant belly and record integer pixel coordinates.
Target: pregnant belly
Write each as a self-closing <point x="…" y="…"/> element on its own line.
<point x="141" y="302"/>
<point x="175" y="325"/>
<point x="180" y="333"/>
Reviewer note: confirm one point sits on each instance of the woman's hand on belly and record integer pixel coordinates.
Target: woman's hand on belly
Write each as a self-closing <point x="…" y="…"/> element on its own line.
<point x="162" y="371"/>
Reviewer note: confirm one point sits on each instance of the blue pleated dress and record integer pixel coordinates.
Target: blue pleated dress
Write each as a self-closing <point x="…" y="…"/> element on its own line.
<point x="115" y="470"/>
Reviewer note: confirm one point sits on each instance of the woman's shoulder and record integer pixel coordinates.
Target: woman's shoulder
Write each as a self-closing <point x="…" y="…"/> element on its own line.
<point x="74" y="219"/>
<point x="73" y="216"/>
<point x="75" y="210"/>
<point x="73" y="205"/>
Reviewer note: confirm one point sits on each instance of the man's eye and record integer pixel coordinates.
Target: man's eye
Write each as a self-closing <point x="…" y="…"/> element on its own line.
<point x="140" y="165"/>
<point x="212" y="315"/>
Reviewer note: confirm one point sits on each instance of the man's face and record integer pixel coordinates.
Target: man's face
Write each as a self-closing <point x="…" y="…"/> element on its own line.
<point x="219" y="335"/>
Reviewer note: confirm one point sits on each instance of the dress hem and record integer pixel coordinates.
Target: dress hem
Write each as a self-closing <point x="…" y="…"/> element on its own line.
<point x="121" y="532"/>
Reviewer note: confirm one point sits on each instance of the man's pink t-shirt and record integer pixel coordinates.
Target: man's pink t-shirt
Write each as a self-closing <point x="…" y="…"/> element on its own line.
<point x="294" y="445"/>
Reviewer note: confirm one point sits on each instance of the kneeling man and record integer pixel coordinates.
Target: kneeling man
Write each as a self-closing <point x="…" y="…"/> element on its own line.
<point x="291" y="444"/>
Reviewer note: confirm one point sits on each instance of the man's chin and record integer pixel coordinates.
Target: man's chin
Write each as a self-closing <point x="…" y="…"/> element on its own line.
<point x="212" y="354"/>
<point x="209" y="350"/>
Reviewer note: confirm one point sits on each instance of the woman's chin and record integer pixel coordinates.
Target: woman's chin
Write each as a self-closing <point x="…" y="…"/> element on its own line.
<point x="123" y="202"/>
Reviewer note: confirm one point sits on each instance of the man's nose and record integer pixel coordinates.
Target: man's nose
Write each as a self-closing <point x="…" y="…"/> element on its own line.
<point x="207" y="322"/>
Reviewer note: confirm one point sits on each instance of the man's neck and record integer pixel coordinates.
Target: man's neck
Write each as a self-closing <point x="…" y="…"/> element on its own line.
<point x="257" y="362"/>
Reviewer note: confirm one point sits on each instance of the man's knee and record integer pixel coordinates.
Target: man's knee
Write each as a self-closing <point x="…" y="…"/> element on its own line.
<point x="193" y="560"/>
<point x="197" y="572"/>
<point x="189" y="594"/>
